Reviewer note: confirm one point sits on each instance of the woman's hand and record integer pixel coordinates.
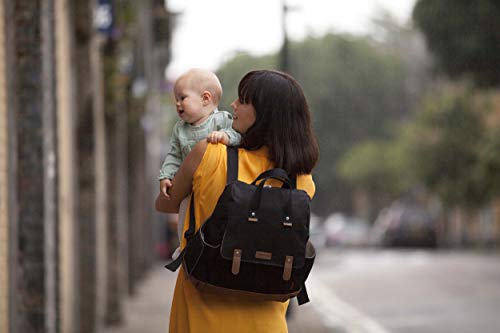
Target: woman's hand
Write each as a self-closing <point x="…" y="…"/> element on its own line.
<point x="183" y="180"/>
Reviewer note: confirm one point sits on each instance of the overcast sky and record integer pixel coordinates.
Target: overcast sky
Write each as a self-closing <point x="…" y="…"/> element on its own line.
<point x="208" y="32"/>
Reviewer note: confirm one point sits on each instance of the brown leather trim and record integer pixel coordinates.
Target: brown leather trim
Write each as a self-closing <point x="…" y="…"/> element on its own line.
<point x="235" y="269"/>
<point x="287" y="269"/>
<point x="263" y="255"/>
<point x="209" y="288"/>
<point x="253" y="219"/>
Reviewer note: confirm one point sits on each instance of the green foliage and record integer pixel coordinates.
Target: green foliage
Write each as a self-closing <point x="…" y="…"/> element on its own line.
<point x="488" y="167"/>
<point x="447" y="139"/>
<point x="125" y="13"/>
<point x="231" y="73"/>
<point x="355" y="87"/>
<point x="377" y="166"/>
<point x="450" y="147"/>
<point x="464" y="36"/>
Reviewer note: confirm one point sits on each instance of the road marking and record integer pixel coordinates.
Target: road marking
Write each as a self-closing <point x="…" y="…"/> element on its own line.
<point x="412" y="321"/>
<point x="337" y="314"/>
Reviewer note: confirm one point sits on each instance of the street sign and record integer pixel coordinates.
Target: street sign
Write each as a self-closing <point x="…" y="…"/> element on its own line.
<point x="103" y="17"/>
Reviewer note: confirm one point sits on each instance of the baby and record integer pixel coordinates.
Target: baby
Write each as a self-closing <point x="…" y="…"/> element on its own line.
<point x="197" y="94"/>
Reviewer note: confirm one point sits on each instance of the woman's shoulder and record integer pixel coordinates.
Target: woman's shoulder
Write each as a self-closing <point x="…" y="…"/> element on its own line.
<point x="254" y="162"/>
<point x="211" y="156"/>
<point x="306" y="183"/>
<point x="213" y="159"/>
<point x="214" y="150"/>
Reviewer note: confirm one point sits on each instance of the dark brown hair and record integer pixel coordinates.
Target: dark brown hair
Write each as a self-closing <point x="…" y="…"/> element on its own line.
<point x="283" y="120"/>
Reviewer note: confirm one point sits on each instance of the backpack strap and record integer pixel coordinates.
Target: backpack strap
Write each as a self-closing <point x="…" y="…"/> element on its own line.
<point x="192" y="222"/>
<point x="232" y="175"/>
<point x="275" y="173"/>
<point x="174" y="264"/>
<point x="302" y="297"/>
<point x="232" y="164"/>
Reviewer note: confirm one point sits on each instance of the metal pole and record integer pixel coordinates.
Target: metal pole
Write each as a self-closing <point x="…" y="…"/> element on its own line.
<point x="284" y="64"/>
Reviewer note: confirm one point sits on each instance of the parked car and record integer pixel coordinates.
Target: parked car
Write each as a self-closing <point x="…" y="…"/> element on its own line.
<point x="404" y="224"/>
<point x="341" y="230"/>
<point x="317" y="232"/>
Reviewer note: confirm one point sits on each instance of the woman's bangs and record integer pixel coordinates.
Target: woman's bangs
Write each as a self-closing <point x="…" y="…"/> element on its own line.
<point x="247" y="90"/>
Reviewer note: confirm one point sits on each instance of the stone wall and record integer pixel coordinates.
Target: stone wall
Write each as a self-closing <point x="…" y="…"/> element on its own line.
<point x="5" y="212"/>
<point x="74" y="238"/>
<point x="50" y="175"/>
<point x="67" y="169"/>
<point x="29" y="132"/>
<point x="81" y="17"/>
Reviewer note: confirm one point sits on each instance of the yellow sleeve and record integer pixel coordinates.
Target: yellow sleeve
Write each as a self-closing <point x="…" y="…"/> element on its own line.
<point x="306" y="183"/>
<point x="213" y="160"/>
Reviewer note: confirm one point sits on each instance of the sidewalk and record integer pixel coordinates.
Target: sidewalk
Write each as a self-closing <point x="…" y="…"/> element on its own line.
<point x="148" y="311"/>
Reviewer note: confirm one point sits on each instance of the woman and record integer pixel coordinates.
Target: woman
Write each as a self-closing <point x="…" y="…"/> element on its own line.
<point x="272" y="115"/>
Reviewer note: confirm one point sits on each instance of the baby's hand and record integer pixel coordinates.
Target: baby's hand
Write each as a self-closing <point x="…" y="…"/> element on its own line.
<point x="165" y="184"/>
<point x="218" y="136"/>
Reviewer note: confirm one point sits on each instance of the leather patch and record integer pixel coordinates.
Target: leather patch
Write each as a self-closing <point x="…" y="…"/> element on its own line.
<point x="235" y="269"/>
<point x="287" y="269"/>
<point x="263" y="255"/>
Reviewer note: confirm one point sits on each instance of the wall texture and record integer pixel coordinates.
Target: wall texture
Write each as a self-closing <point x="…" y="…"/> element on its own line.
<point x="67" y="190"/>
<point x="70" y="140"/>
<point x="4" y="202"/>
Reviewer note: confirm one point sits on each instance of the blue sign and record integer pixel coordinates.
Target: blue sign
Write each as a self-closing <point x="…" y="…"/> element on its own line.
<point x="103" y="17"/>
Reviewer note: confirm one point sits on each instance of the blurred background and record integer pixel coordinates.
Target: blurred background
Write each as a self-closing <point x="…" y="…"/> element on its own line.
<point x="406" y="107"/>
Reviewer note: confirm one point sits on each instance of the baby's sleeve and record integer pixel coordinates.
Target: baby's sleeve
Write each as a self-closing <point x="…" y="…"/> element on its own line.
<point x="173" y="160"/>
<point x="225" y="124"/>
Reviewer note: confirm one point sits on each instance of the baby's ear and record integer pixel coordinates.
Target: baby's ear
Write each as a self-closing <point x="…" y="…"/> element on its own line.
<point x="207" y="97"/>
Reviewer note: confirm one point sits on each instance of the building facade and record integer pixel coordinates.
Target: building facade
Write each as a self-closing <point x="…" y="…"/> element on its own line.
<point x="71" y="145"/>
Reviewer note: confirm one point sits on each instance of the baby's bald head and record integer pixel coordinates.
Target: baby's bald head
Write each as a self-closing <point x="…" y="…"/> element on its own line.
<point x="201" y="80"/>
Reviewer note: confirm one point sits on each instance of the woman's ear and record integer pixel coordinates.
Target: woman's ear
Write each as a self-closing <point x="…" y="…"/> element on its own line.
<point x="207" y="97"/>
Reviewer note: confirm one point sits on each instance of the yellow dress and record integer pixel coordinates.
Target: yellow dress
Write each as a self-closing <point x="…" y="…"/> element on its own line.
<point x="200" y="312"/>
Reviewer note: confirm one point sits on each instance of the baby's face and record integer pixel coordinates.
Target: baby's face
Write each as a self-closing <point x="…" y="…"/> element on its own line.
<point x="189" y="103"/>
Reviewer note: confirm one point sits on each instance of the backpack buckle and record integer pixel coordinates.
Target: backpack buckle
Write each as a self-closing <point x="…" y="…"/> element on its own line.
<point x="287" y="222"/>
<point x="287" y="270"/>
<point x="235" y="269"/>
<point x="252" y="217"/>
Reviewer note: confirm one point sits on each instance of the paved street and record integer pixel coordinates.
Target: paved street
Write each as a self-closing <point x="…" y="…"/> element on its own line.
<point x="357" y="291"/>
<point x="148" y="311"/>
<point x="410" y="291"/>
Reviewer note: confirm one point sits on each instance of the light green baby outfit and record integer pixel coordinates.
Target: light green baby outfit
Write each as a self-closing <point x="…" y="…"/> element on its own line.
<point x="185" y="136"/>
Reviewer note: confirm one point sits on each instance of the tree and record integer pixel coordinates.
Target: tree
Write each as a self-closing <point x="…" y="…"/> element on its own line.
<point x="447" y="138"/>
<point x="488" y="168"/>
<point x="464" y="36"/>
<point x="380" y="167"/>
<point x="356" y="88"/>
<point x="232" y="71"/>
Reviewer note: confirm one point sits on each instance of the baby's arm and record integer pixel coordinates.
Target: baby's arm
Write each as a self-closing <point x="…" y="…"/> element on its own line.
<point x="218" y="136"/>
<point x="234" y="138"/>
<point x="168" y="170"/>
<point x="171" y="164"/>
<point x="224" y="124"/>
<point x="165" y="184"/>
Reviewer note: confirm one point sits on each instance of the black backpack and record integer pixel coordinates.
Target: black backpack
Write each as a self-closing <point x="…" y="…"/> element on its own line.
<point x="255" y="243"/>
